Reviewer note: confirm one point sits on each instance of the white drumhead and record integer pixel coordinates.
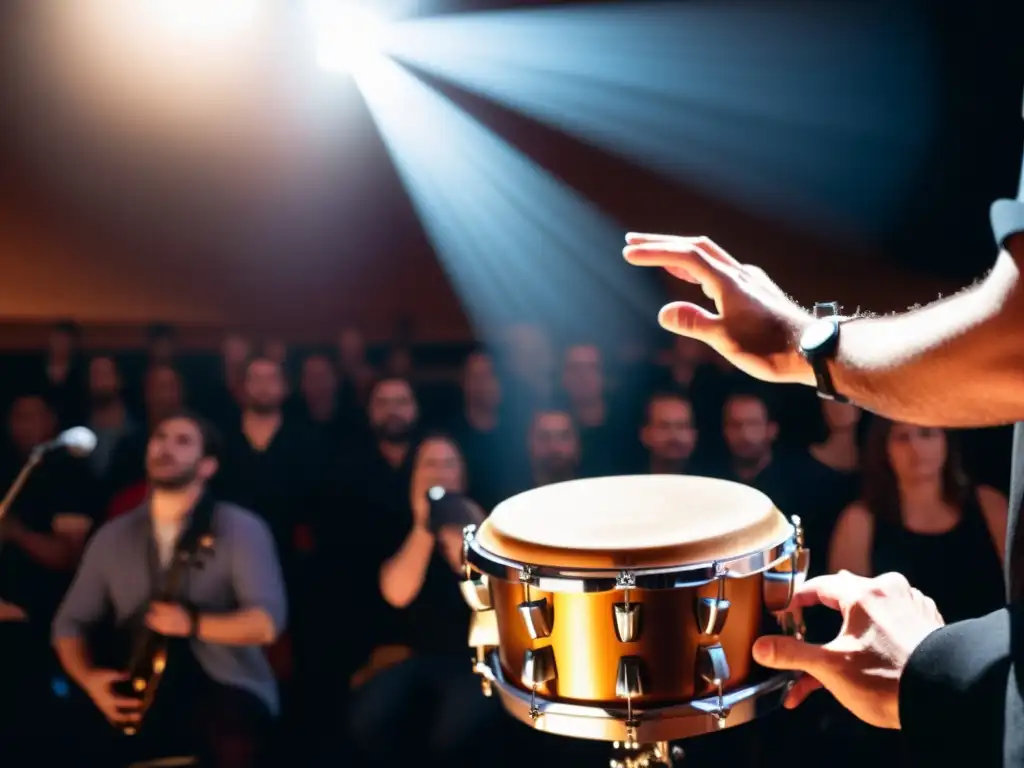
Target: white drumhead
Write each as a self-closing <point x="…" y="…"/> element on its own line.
<point x="633" y="521"/>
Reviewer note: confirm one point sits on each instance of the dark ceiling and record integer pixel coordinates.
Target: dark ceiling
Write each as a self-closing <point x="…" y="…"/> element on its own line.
<point x="361" y="203"/>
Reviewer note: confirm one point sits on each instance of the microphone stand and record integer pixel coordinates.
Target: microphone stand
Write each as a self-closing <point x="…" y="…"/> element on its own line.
<point x="34" y="459"/>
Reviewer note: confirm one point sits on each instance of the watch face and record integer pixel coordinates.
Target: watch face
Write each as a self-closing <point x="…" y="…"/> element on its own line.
<point x="817" y="335"/>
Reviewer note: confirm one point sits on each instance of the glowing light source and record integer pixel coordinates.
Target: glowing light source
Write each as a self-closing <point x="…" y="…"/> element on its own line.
<point x="347" y="34"/>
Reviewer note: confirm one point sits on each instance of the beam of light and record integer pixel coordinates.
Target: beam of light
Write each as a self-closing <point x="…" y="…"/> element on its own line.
<point x="517" y="243"/>
<point x="813" y="112"/>
<point x="347" y="34"/>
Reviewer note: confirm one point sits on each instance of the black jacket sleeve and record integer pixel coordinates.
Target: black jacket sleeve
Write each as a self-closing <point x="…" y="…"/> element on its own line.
<point x="959" y="697"/>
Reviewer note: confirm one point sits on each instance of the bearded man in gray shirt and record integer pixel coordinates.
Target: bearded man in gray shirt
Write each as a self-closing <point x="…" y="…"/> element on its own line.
<point x="218" y="695"/>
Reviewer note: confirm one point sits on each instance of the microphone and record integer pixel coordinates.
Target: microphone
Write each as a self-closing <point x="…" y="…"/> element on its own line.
<point x="79" y="442"/>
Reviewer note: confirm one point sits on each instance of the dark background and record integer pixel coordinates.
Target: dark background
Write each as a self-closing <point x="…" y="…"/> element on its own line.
<point x="210" y="246"/>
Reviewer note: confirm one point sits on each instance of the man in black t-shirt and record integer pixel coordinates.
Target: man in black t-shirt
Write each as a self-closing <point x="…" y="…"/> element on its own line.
<point x="957" y="362"/>
<point x="42" y="535"/>
<point x="41" y="539"/>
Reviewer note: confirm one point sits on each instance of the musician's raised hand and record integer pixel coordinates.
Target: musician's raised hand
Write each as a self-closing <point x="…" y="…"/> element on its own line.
<point x="884" y="620"/>
<point x="169" y="620"/>
<point x="757" y="327"/>
<point x="99" y="685"/>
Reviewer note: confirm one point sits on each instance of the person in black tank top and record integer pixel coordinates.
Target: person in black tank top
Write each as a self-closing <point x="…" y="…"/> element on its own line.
<point x="417" y="700"/>
<point x="919" y="515"/>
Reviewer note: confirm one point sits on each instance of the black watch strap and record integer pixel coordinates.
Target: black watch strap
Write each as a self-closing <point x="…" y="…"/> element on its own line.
<point x="819" y="361"/>
<point x="193" y="616"/>
<point x="823" y="379"/>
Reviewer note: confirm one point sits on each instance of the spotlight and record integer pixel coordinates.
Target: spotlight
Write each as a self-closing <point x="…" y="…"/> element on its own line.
<point x="347" y="34"/>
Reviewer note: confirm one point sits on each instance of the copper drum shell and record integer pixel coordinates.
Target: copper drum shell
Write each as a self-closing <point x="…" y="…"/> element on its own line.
<point x="587" y="649"/>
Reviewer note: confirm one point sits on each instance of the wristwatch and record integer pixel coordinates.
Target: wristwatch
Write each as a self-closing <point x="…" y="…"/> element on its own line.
<point x="818" y="344"/>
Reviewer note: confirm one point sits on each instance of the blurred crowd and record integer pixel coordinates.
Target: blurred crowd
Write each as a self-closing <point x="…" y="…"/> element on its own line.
<point x="335" y="449"/>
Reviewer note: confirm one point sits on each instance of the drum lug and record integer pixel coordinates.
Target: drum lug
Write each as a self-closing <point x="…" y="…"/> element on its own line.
<point x="713" y="611"/>
<point x="779" y="583"/>
<point x="535" y="615"/>
<point x="712" y="665"/>
<point x="713" y="669"/>
<point x="629" y="681"/>
<point x="627" y="620"/>
<point x="476" y="592"/>
<point x="711" y="615"/>
<point x="538" y="667"/>
<point x="468" y="534"/>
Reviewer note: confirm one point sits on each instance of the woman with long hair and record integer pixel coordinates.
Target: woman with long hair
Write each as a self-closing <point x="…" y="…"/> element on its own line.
<point x="417" y="699"/>
<point x="920" y="515"/>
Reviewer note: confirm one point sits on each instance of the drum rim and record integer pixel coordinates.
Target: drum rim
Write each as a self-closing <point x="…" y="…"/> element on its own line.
<point x="602" y="723"/>
<point x="554" y="579"/>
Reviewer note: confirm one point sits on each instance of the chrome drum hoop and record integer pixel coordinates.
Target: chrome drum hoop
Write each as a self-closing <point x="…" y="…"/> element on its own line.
<point x="553" y="579"/>
<point x="666" y="723"/>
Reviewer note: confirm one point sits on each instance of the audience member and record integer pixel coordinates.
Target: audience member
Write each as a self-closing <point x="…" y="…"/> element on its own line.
<point x="481" y="432"/>
<point x="268" y="462"/>
<point x="41" y="538"/>
<point x="318" y="407"/>
<point x="123" y="487"/>
<point x="528" y="359"/>
<point x="222" y="393"/>
<point x="161" y="345"/>
<point x="554" y="449"/>
<point x="417" y="682"/>
<point x="918" y="514"/>
<point x="216" y="698"/>
<point x="61" y="378"/>
<point x="668" y="435"/>
<point x="355" y="374"/>
<point x="340" y="479"/>
<point x="107" y="411"/>
<point x="750" y="434"/>
<point x="601" y="441"/>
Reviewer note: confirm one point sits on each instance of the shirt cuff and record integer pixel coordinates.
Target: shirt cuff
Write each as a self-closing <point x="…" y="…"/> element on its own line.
<point x="1007" y="218"/>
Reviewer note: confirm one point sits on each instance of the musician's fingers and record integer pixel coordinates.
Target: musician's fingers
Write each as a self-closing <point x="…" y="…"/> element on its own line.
<point x="804" y="687"/>
<point x="832" y="590"/>
<point x="687" y="319"/>
<point x="126" y="703"/>
<point x="715" y="251"/>
<point x="681" y="274"/>
<point x="706" y="244"/>
<point x="788" y="653"/>
<point x="683" y="259"/>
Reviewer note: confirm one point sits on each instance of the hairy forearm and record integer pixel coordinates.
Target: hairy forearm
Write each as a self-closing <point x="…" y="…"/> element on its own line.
<point x="74" y="657"/>
<point x="251" y="626"/>
<point x="402" y="576"/>
<point x="956" y="363"/>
